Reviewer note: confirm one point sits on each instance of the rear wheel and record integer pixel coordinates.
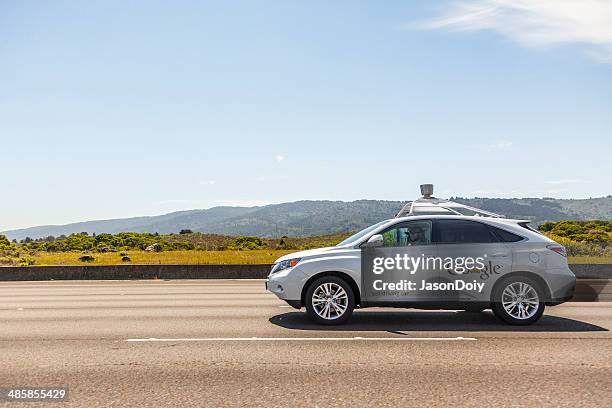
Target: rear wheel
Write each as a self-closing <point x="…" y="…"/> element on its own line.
<point x="519" y="301"/>
<point x="330" y="300"/>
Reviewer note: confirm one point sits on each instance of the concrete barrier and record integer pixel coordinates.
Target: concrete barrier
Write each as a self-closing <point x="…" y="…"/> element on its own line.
<point x="594" y="280"/>
<point x="592" y="271"/>
<point x="593" y="290"/>
<point x="118" y="272"/>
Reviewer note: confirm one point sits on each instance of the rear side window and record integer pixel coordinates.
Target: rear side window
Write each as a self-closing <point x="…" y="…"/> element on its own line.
<point x="505" y="236"/>
<point x="462" y="232"/>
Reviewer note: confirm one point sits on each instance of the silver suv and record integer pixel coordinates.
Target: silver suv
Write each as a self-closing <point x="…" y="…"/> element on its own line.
<point x="429" y="262"/>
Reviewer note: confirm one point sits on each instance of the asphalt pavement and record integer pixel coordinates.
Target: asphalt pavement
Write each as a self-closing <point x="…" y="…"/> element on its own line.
<point x="229" y="343"/>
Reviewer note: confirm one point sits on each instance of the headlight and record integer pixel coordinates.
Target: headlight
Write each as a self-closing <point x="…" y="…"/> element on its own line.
<point x="289" y="263"/>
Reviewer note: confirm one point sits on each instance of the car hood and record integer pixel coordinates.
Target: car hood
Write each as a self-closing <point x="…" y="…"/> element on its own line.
<point x="310" y="253"/>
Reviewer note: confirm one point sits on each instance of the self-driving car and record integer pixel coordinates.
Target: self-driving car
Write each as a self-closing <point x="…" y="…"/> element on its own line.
<point x="513" y="270"/>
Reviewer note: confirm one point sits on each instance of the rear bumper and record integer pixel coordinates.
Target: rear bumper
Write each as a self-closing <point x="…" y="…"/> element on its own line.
<point x="562" y="283"/>
<point x="555" y="302"/>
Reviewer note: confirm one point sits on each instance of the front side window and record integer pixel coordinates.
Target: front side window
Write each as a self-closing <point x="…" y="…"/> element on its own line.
<point x="462" y="232"/>
<point x="409" y="233"/>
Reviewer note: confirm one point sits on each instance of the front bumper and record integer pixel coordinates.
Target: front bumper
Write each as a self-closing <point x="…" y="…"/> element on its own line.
<point x="287" y="285"/>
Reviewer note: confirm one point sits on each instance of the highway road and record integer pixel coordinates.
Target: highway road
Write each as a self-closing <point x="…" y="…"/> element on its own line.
<point x="228" y="343"/>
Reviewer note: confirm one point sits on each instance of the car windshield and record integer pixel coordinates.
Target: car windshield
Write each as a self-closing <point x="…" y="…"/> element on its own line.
<point x="361" y="234"/>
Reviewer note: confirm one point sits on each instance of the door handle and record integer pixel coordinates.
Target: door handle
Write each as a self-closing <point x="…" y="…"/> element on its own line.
<point x="500" y="255"/>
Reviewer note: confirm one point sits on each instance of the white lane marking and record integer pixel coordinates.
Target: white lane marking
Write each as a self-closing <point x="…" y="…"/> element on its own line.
<point x="153" y="339"/>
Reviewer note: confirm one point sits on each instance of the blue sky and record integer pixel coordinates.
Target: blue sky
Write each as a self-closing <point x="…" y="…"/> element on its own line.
<point x="114" y="109"/>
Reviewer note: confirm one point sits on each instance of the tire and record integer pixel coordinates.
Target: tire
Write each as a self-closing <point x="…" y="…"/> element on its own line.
<point x="329" y="300"/>
<point x="518" y="301"/>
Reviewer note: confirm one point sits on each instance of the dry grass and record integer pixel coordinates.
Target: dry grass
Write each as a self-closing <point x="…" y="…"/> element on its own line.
<point x="263" y="256"/>
<point x="165" y="258"/>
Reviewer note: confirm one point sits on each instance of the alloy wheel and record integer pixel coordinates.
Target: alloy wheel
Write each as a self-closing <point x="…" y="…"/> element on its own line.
<point x="329" y="300"/>
<point x="520" y="300"/>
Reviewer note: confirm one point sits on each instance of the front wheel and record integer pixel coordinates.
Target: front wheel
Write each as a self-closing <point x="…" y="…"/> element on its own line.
<point x="519" y="301"/>
<point x="330" y="300"/>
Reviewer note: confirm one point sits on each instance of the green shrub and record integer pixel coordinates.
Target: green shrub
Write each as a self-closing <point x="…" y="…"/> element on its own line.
<point x="547" y="226"/>
<point x="248" y="243"/>
<point x="5" y="260"/>
<point x="5" y="244"/>
<point x="26" y="261"/>
<point x="574" y="248"/>
<point x="580" y="231"/>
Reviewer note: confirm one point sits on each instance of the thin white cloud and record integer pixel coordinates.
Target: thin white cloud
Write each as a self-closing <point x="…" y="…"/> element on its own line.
<point x="208" y="182"/>
<point x="498" y="145"/>
<point x="174" y="202"/>
<point x="279" y="158"/>
<point x="568" y="181"/>
<point x="269" y="178"/>
<point x="198" y="203"/>
<point x="536" y="23"/>
<point x="496" y="193"/>
<point x="555" y="191"/>
<point x="242" y="203"/>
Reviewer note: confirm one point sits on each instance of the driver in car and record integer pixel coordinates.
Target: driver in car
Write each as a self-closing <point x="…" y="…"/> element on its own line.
<point x="416" y="236"/>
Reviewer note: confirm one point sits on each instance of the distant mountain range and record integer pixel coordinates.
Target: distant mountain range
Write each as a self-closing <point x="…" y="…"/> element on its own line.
<point x="303" y="218"/>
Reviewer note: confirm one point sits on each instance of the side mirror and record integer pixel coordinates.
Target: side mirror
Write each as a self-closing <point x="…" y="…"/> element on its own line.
<point x="375" y="240"/>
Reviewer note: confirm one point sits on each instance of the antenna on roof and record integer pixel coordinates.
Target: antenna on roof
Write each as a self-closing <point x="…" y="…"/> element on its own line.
<point x="427" y="190"/>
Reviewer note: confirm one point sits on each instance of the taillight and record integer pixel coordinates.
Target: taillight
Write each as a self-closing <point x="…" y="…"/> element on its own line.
<point x="560" y="249"/>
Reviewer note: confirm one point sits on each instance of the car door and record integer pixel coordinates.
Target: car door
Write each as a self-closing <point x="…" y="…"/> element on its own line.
<point x="473" y="259"/>
<point x="408" y="242"/>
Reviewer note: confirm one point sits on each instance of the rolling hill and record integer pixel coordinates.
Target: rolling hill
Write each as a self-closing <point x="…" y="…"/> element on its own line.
<point x="305" y="218"/>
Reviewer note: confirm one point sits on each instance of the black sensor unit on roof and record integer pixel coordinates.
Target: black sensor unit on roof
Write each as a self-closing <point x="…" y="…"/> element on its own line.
<point x="429" y="205"/>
